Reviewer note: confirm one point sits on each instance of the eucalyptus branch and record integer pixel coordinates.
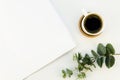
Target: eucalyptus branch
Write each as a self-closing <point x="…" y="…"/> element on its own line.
<point x="104" y="54"/>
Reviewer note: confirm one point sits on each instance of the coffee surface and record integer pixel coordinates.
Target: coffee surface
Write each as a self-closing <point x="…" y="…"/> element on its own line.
<point x="93" y="23"/>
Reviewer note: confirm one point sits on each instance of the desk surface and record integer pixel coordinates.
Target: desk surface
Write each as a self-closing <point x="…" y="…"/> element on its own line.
<point x="70" y="12"/>
<point x="53" y="70"/>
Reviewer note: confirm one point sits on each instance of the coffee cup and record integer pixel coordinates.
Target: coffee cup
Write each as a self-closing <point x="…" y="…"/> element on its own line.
<point x="92" y="24"/>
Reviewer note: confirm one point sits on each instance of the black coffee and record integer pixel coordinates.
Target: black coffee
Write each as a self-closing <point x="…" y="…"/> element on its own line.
<point x="93" y="23"/>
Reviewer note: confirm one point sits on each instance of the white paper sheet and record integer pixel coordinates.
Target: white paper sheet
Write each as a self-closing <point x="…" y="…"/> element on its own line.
<point x="31" y="35"/>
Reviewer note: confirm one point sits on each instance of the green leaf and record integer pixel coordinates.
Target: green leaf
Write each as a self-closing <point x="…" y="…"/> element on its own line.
<point x="81" y="75"/>
<point x="64" y="73"/>
<point x="101" y="49"/>
<point x="94" y="54"/>
<point x="87" y="60"/>
<point x="69" y="72"/>
<point x="79" y="56"/>
<point x="94" y="65"/>
<point x="80" y="67"/>
<point x="110" y="49"/>
<point x="100" y="61"/>
<point x="88" y="68"/>
<point x="74" y="57"/>
<point x="110" y="61"/>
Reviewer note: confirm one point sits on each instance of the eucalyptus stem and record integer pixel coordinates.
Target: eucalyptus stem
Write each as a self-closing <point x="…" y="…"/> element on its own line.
<point x="104" y="54"/>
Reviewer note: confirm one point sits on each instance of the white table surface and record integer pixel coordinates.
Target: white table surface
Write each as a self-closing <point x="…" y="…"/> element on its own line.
<point x="53" y="70"/>
<point x="70" y="12"/>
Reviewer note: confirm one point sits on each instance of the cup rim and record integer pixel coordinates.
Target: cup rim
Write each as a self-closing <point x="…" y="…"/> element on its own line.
<point x="83" y="28"/>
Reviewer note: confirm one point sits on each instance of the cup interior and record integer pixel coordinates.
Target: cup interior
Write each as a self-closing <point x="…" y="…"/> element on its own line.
<point x="92" y="24"/>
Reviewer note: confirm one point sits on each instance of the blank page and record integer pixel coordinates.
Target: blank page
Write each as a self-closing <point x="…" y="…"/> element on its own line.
<point x="31" y="35"/>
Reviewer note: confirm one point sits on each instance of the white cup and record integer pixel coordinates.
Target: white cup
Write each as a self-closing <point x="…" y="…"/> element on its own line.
<point x="86" y="15"/>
